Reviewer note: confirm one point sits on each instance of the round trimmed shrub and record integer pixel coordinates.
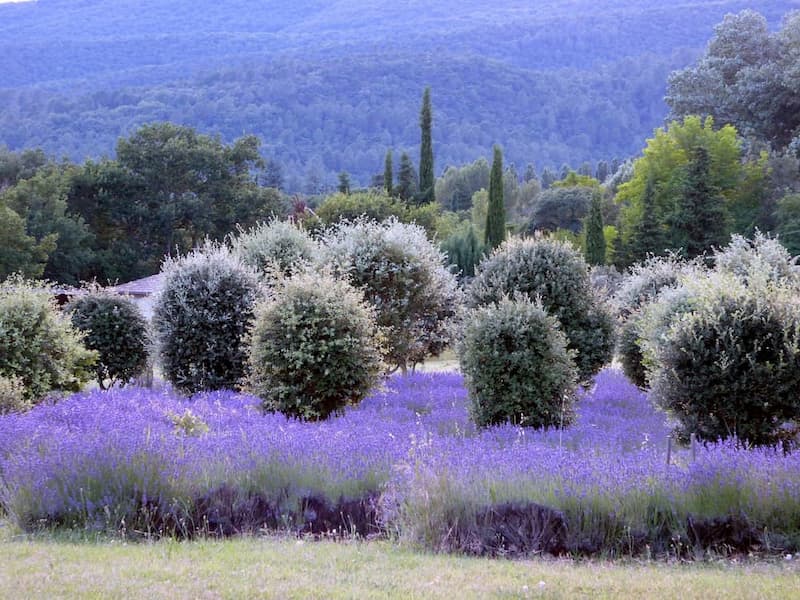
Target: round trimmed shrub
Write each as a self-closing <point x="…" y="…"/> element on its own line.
<point x="731" y="366"/>
<point x="645" y="280"/>
<point x="200" y="317"/>
<point x="556" y="273"/>
<point x="276" y="248"/>
<point x="115" y="328"/>
<point x="315" y="348"/>
<point x="516" y="365"/>
<point x="403" y="275"/>
<point x="39" y="347"/>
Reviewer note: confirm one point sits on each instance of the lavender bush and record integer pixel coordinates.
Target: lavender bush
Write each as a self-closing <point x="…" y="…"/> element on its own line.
<point x="407" y="460"/>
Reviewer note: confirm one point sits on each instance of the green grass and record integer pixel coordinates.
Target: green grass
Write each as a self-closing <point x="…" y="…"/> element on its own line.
<point x="45" y="566"/>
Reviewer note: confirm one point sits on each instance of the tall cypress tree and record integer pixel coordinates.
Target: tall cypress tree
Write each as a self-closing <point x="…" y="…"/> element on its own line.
<point x="496" y="213"/>
<point x="426" y="178"/>
<point x="388" y="176"/>
<point x="701" y="214"/>
<point x="595" y="240"/>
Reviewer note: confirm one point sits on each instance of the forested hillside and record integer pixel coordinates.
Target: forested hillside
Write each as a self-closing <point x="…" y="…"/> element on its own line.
<point x="330" y="86"/>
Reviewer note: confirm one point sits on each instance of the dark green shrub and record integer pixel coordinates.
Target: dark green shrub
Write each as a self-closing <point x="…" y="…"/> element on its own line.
<point x="200" y="317"/>
<point x="276" y="248"/>
<point x="115" y="328"/>
<point x="557" y="274"/>
<point x="516" y="365"/>
<point x="39" y="347"/>
<point x="403" y="275"/>
<point x="630" y="352"/>
<point x="731" y="366"/>
<point x="315" y="348"/>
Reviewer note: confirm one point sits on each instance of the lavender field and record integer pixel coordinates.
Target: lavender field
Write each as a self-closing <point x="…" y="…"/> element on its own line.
<point x="407" y="463"/>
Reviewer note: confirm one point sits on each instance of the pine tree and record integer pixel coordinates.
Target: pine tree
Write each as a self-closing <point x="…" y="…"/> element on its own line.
<point x="601" y="174"/>
<point x="388" y="176"/>
<point x="406" y="179"/>
<point x="701" y="215"/>
<point x="426" y="177"/>
<point x="496" y="214"/>
<point x="595" y="240"/>
<point x="530" y="173"/>
<point x="647" y="237"/>
<point x="548" y="178"/>
<point x="344" y="182"/>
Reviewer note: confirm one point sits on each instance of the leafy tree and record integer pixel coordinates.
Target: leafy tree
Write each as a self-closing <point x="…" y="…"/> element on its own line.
<point x="595" y="240"/>
<point x="15" y="166"/>
<point x="455" y="188"/>
<point x="19" y="252"/>
<point x="530" y="173"/>
<point x="388" y="175"/>
<point x="406" y="179"/>
<point x="426" y="176"/>
<point x="561" y="208"/>
<point x="41" y="201"/>
<point x="496" y="215"/>
<point x="701" y="217"/>
<point x="748" y="77"/>
<point x="665" y="159"/>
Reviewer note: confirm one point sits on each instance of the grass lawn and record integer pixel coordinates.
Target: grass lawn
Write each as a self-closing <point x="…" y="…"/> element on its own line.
<point x="44" y="567"/>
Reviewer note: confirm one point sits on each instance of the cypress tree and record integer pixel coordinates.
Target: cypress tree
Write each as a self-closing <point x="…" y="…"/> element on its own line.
<point x="548" y="178"/>
<point x="388" y="176"/>
<point x="426" y="178"/>
<point x="701" y="215"/>
<point x="496" y="213"/>
<point x="595" y="240"/>
<point x="406" y="179"/>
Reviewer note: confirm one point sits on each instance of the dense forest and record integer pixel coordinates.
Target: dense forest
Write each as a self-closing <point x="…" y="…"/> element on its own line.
<point x="330" y="86"/>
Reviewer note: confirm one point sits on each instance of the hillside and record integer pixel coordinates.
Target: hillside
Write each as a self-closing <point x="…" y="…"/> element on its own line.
<point x="330" y="86"/>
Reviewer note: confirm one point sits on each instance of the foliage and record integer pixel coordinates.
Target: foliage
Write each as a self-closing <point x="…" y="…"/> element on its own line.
<point x="388" y="175"/>
<point x="407" y="182"/>
<point x="700" y="220"/>
<point x="731" y="367"/>
<point x="762" y="258"/>
<point x="665" y="164"/>
<point x="595" y="238"/>
<point x="19" y="252"/>
<point x="403" y="275"/>
<point x="38" y="345"/>
<point x="516" y="366"/>
<point x="561" y="208"/>
<point x="12" y="396"/>
<point x="788" y="214"/>
<point x="457" y="185"/>
<point x="748" y="77"/>
<point x="464" y="250"/>
<point x="496" y="213"/>
<point x="426" y="176"/>
<point x="630" y="351"/>
<point x="644" y="281"/>
<point x="557" y="273"/>
<point x="41" y="202"/>
<point x="315" y="348"/>
<point x="115" y="328"/>
<point x="274" y="248"/>
<point x="201" y="314"/>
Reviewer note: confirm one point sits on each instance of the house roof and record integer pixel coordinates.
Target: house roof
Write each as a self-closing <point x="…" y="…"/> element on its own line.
<point x="139" y="287"/>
